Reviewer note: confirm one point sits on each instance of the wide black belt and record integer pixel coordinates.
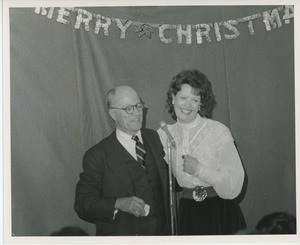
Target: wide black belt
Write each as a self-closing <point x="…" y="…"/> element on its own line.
<point x="199" y="193"/>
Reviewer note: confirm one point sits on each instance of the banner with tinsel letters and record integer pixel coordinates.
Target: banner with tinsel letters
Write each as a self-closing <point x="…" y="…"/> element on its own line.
<point x="98" y="22"/>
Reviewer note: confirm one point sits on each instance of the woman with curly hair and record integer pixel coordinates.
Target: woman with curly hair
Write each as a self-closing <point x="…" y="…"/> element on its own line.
<point x="206" y="163"/>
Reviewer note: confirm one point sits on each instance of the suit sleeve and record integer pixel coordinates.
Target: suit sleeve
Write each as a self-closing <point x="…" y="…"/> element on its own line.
<point x="90" y="205"/>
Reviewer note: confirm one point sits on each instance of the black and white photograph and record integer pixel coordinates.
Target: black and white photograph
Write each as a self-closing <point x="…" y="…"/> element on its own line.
<point x="125" y="121"/>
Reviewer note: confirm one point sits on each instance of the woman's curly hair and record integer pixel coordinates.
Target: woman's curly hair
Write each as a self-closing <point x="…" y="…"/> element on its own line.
<point x="199" y="82"/>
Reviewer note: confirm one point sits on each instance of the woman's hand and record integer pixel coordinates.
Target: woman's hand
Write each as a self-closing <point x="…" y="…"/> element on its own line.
<point x="190" y="164"/>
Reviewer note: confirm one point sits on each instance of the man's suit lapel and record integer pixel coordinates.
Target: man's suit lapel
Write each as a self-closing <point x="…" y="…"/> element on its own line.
<point x="118" y="163"/>
<point x="161" y="165"/>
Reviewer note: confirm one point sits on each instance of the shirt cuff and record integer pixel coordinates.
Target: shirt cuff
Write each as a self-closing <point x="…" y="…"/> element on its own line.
<point x="115" y="213"/>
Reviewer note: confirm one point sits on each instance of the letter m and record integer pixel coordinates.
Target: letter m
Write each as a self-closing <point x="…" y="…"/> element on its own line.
<point x="43" y="11"/>
<point x="270" y="19"/>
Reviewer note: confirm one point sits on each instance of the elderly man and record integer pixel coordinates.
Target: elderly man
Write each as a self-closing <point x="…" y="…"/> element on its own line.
<point x="123" y="188"/>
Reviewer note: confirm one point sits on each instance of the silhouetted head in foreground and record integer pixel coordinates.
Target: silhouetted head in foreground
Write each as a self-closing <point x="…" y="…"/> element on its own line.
<point x="276" y="223"/>
<point x="70" y="231"/>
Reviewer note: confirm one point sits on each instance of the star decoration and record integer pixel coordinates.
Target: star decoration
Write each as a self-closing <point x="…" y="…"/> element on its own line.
<point x="144" y="29"/>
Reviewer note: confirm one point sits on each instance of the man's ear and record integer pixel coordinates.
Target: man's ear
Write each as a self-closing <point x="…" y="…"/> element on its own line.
<point x="112" y="114"/>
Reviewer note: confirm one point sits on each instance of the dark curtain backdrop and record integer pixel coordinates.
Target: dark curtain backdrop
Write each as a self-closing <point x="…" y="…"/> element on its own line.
<point x="60" y="75"/>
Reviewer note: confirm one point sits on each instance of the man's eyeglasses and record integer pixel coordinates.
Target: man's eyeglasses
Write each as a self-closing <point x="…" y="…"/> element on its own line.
<point x="130" y="108"/>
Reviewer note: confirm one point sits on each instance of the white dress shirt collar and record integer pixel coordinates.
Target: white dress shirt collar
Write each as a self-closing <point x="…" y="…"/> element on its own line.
<point x="127" y="142"/>
<point x="128" y="137"/>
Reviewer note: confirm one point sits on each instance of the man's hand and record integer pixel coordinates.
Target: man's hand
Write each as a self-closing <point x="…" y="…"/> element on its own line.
<point x="133" y="205"/>
<point x="190" y="164"/>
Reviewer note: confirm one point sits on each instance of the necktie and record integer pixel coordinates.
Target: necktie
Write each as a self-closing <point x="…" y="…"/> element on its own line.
<point x="140" y="151"/>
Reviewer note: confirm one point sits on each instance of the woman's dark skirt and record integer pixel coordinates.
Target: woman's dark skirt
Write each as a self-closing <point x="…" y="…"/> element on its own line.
<point x="213" y="216"/>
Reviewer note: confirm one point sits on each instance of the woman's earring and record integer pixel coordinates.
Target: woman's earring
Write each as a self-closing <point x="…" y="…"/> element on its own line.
<point x="172" y="102"/>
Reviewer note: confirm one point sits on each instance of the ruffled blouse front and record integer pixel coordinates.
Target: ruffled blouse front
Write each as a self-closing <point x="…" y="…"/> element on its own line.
<point x="212" y="144"/>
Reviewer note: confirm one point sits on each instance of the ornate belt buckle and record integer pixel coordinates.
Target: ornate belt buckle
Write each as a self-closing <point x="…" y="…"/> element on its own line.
<point x="199" y="193"/>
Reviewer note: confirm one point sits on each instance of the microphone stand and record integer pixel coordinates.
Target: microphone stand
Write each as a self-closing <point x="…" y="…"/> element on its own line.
<point x="173" y="198"/>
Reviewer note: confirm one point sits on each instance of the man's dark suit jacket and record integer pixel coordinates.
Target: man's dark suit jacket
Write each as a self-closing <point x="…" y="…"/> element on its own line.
<point x="105" y="178"/>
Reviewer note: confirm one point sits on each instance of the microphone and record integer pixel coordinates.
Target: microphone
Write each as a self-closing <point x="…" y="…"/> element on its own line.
<point x="164" y="127"/>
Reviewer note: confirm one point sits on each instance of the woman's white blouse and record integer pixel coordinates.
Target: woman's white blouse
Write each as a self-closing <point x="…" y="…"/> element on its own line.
<point x="212" y="144"/>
